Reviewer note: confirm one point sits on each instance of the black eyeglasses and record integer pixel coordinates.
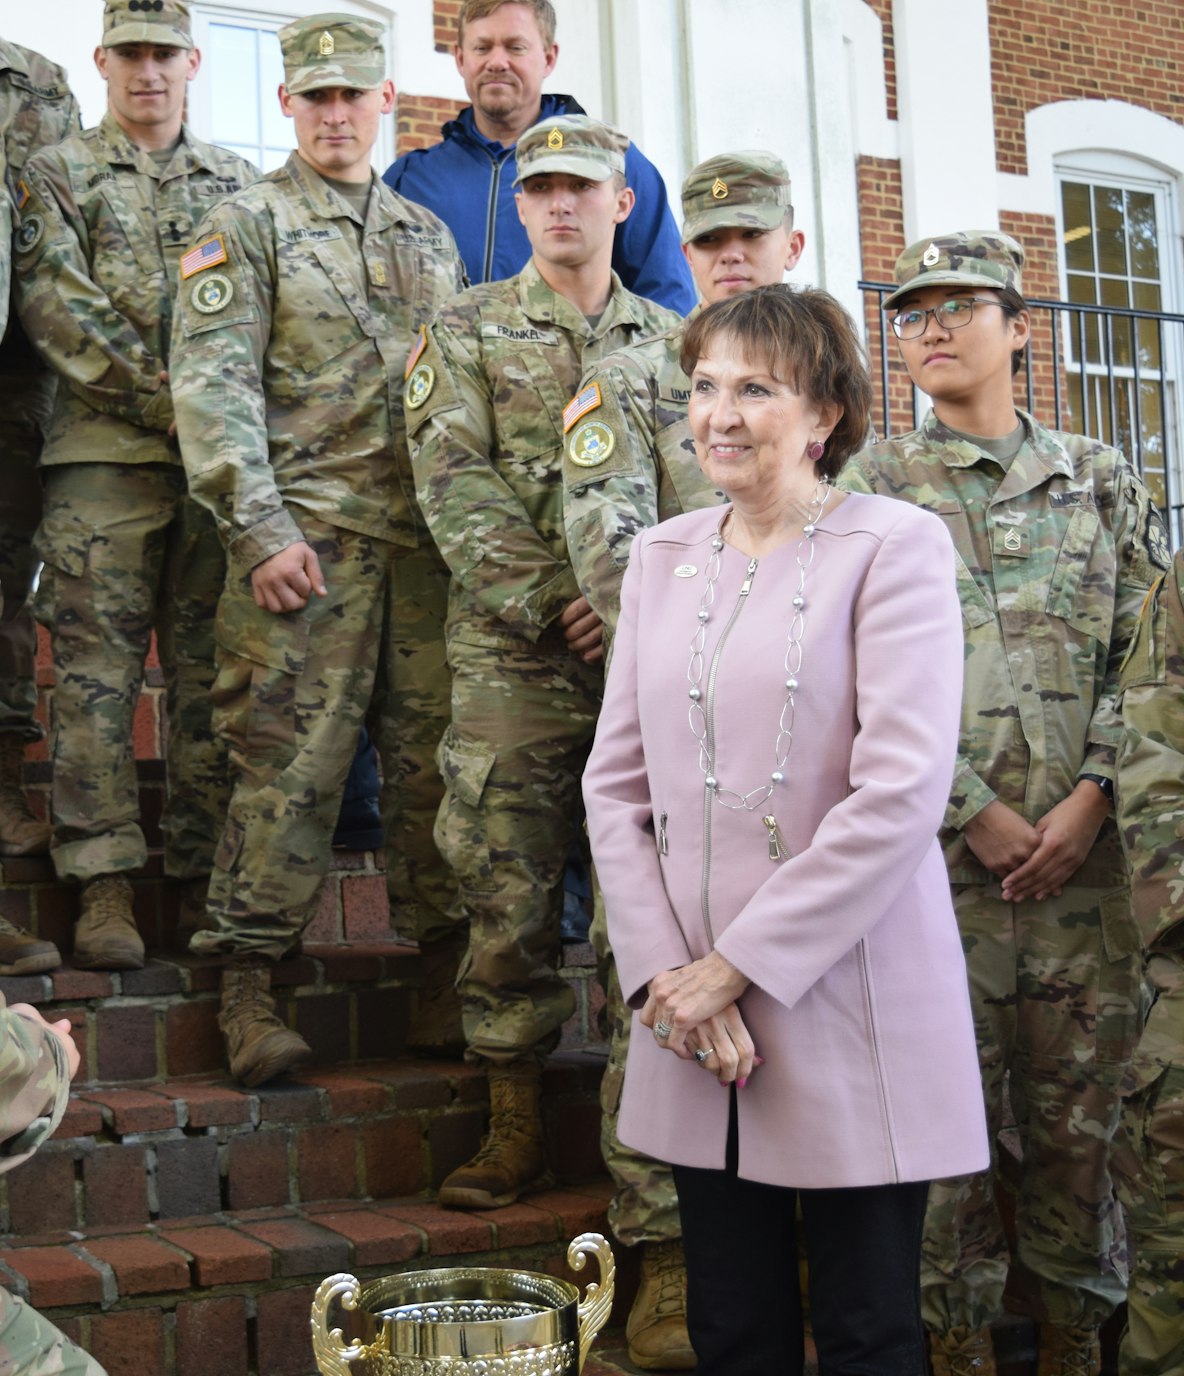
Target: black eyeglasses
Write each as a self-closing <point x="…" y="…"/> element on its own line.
<point x="951" y="315"/>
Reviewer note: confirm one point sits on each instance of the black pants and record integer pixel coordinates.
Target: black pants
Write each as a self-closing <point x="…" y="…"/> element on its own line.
<point x="863" y="1248"/>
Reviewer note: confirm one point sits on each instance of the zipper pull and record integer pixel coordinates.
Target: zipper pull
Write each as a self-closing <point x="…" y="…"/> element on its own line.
<point x="748" y="580"/>
<point x="663" y="847"/>
<point x="778" y="850"/>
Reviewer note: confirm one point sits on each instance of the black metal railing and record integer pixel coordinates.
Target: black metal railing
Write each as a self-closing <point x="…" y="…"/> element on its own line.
<point x="1126" y="394"/>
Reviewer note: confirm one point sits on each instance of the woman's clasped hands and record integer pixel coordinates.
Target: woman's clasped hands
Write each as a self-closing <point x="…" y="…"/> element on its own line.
<point x="693" y="1012"/>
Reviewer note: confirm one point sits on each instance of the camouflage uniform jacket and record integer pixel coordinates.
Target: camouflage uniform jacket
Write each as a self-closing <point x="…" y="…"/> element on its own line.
<point x="650" y="474"/>
<point x="288" y="389"/>
<point x="1054" y="559"/>
<point x="95" y="268"/>
<point x="34" y="1086"/>
<point x="37" y="109"/>
<point x="503" y="361"/>
<point x="1150" y="793"/>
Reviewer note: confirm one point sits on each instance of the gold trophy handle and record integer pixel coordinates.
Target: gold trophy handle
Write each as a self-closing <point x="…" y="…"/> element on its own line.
<point x="332" y="1355"/>
<point x="598" y="1298"/>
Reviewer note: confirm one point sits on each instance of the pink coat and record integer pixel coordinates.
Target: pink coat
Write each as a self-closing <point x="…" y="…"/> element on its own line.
<point x="858" y="1000"/>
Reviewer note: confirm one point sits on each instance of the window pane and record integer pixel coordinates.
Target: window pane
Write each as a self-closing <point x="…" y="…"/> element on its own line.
<point x="1111" y="229"/>
<point x="1142" y="230"/>
<point x="1079" y="234"/>
<point x="234" y="84"/>
<point x="278" y="132"/>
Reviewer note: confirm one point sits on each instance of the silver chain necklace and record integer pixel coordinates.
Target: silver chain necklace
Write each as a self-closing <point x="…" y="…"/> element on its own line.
<point x="697" y="713"/>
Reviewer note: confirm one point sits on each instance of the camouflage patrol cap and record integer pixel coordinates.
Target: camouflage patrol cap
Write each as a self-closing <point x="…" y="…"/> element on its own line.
<point x="971" y="258"/>
<point x="734" y="190"/>
<point x="332" y="50"/>
<point x="575" y="144"/>
<point x="163" y="22"/>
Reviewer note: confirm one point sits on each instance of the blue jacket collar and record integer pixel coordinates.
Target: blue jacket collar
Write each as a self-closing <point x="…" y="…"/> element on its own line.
<point x="464" y="126"/>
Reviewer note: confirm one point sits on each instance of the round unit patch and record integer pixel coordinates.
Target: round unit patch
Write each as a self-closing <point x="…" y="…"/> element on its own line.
<point x="212" y="293"/>
<point x="419" y="386"/>
<point x="32" y="227"/>
<point x="591" y="444"/>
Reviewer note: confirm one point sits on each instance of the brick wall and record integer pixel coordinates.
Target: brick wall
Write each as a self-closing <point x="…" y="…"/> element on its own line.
<point x="445" y="13"/>
<point x="1038" y="235"/>
<point x="419" y="119"/>
<point x="881" y="226"/>
<point x="884" y="9"/>
<point x="1049" y="50"/>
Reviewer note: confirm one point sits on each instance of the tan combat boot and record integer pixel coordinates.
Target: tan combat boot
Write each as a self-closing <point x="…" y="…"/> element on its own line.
<point x="513" y="1159"/>
<point x="258" y="1045"/>
<point x="962" y="1352"/>
<point x="22" y="954"/>
<point x="21" y="831"/>
<point x="1068" y="1351"/>
<point x="436" y="1028"/>
<point x="106" y="937"/>
<point x="657" y="1327"/>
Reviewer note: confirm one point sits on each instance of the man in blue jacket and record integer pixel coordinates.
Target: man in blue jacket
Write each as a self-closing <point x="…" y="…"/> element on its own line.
<point x="504" y="51"/>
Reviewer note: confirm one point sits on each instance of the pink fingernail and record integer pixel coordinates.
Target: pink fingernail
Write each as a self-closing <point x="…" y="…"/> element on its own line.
<point x="740" y="1083"/>
<point x="758" y="1060"/>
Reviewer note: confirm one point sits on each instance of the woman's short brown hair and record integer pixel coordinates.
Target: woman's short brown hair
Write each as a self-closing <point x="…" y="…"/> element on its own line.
<point x="807" y="340"/>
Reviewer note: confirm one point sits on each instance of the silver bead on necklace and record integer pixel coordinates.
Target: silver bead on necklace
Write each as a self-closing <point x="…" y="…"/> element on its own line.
<point x="697" y="712"/>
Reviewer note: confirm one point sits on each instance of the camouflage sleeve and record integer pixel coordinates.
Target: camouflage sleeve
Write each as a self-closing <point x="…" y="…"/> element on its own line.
<point x="478" y="520"/>
<point x="1149" y="794"/>
<point x="34" y="1086"/>
<point x="609" y="493"/>
<point x="221" y="329"/>
<point x="1141" y="544"/>
<point x="69" y="318"/>
<point x="856" y="475"/>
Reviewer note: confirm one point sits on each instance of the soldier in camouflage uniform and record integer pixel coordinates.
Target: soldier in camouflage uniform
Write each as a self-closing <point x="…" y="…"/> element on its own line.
<point x="37" y="110"/>
<point x="486" y="414"/>
<point x="105" y="217"/>
<point x="289" y="356"/>
<point x="737" y="233"/>
<point x="1058" y="542"/>
<point x="37" y="1061"/>
<point x="1150" y="803"/>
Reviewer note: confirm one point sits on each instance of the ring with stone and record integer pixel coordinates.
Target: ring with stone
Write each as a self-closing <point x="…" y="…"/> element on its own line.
<point x="662" y="1030"/>
<point x="703" y="1053"/>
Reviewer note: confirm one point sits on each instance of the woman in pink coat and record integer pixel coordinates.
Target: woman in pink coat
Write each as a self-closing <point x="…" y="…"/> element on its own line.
<point x="772" y="763"/>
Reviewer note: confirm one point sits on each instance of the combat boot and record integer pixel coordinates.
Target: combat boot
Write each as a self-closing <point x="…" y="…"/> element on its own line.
<point x="657" y="1327"/>
<point x="21" y="831"/>
<point x="106" y="937"/>
<point x="512" y="1160"/>
<point x="258" y="1045"/>
<point x="1068" y="1351"/>
<point x="191" y="910"/>
<point x="962" y="1352"/>
<point x="22" y="954"/>
<point x="436" y="1028"/>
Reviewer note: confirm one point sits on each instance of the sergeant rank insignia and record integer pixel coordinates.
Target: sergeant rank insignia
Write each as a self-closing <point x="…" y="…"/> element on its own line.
<point x="719" y="189"/>
<point x="326" y="46"/>
<point x="930" y="256"/>
<point x="555" y="139"/>
<point x="591" y="444"/>
<point x="419" y="386"/>
<point x="212" y="294"/>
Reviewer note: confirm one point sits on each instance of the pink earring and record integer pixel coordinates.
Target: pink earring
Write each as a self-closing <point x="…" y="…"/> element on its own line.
<point x="816" y="451"/>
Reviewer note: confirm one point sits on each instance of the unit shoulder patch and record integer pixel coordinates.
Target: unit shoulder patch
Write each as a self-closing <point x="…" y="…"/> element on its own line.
<point x="212" y="294"/>
<point x="591" y="444"/>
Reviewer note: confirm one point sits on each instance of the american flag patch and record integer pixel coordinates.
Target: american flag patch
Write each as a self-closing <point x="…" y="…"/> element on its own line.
<point x="22" y="193"/>
<point x="580" y="405"/>
<point x="421" y="343"/>
<point x="205" y="255"/>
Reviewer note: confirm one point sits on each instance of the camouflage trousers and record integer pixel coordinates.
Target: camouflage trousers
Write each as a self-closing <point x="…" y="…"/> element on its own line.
<point x="292" y="693"/>
<point x="644" y="1206"/>
<point x="512" y="759"/>
<point x="31" y="1346"/>
<point x="127" y="552"/>
<point x="1149" y="1172"/>
<point x="26" y="400"/>
<point x="1055" y="992"/>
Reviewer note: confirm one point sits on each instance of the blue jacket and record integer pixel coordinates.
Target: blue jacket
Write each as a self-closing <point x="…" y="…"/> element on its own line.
<point x="468" y="180"/>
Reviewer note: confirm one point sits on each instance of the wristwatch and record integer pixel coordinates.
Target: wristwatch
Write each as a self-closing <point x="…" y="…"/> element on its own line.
<point x="1106" y="785"/>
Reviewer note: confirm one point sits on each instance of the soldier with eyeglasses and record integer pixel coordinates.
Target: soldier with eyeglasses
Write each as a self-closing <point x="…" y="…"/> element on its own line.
<point x="1058" y="542"/>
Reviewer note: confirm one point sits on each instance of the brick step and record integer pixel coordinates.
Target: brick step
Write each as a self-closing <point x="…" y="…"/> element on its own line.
<point x="134" y="1156"/>
<point x="230" y="1292"/>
